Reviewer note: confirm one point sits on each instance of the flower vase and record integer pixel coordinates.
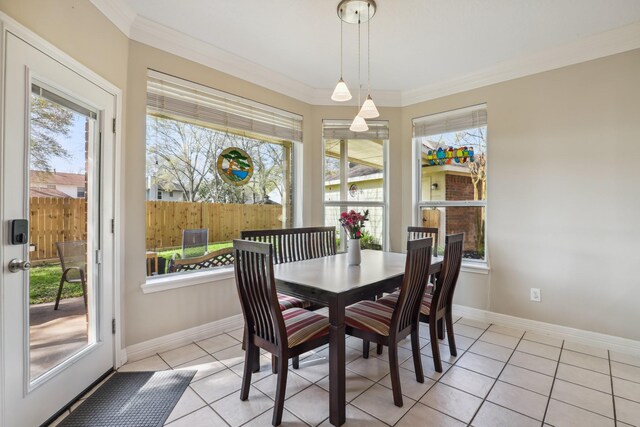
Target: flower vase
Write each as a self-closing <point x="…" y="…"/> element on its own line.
<point x="353" y="251"/>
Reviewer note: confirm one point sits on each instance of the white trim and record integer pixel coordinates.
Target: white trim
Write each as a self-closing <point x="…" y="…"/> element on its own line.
<point x="180" y="338"/>
<point x="118" y="12"/>
<point x="476" y="267"/>
<point x="586" y="49"/>
<point x="3" y="38"/>
<point x="162" y="37"/>
<point x="610" y="342"/>
<point x="165" y="283"/>
<point x="175" y="42"/>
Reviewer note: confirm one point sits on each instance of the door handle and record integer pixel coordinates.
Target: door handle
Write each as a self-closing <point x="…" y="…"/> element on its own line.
<point x="16" y="265"/>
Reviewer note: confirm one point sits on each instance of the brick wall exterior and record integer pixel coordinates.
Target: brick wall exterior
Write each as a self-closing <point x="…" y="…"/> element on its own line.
<point x="461" y="219"/>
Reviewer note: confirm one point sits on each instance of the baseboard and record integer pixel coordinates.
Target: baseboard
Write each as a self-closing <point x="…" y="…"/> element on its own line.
<point x="178" y="339"/>
<point x="622" y="345"/>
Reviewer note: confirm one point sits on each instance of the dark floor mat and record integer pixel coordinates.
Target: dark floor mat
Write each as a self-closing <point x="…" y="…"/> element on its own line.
<point x="132" y="399"/>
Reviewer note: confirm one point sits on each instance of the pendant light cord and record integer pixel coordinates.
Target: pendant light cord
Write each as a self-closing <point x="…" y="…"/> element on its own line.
<point x="359" y="61"/>
<point x="368" y="48"/>
<point x="341" y="55"/>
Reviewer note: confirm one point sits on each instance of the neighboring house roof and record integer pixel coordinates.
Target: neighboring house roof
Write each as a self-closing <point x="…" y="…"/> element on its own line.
<point x="58" y="178"/>
<point x="176" y="186"/>
<point x="355" y="171"/>
<point x="46" y="192"/>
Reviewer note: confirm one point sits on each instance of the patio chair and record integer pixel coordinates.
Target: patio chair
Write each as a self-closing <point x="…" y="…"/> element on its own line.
<point x="284" y="334"/>
<point x="385" y="325"/>
<point x="437" y="308"/>
<point x="73" y="261"/>
<point x="195" y="242"/>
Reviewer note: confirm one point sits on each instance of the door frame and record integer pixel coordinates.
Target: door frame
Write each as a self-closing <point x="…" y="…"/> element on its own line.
<point x="9" y="25"/>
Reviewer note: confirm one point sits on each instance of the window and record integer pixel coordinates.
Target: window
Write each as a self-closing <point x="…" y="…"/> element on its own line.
<point x="80" y="192"/>
<point x="354" y="177"/>
<point x="229" y="162"/>
<point x="451" y="178"/>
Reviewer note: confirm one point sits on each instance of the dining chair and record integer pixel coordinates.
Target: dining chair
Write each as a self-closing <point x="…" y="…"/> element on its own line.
<point x="295" y="244"/>
<point x="284" y="334"/>
<point x="384" y="325"/>
<point x="437" y="307"/>
<point x="73" y="261"/>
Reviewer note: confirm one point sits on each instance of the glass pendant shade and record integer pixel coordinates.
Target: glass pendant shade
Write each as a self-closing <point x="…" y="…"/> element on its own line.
<point x="369" y="110"/>
<point x="358" y="125"/>
<point x="341" y="92"/>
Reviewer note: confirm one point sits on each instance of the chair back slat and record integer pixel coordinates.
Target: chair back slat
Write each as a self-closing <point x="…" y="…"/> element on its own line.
<point x="407" y="309"/>
<point x="256" y="287"/>
<point x="448" y="276"/>
<point x="296" y="244"/>
<point x="423" y="232"/>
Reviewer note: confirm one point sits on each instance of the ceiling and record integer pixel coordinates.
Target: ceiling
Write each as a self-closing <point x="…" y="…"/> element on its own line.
<point x="420" y="49"/>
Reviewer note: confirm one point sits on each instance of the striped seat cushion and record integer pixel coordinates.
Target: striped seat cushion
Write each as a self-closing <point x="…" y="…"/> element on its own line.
<point x="392" y="299"/>
<point x="389" y="300"/>
<point x="286" y="302"/>
<point x="369" y="316"/>
<point x="426" y="304"/>
<point x="304" y="325"/>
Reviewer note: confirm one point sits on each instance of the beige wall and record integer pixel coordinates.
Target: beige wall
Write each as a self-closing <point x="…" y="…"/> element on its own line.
<point x="547" y="132"/>
<point x="563" y="198"/>
<point x="149" y="316"/>
<point x="76" y="27"/>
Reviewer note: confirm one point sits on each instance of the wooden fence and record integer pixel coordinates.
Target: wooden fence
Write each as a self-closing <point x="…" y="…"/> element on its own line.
<point x="54" y="219"/>
<point x="166" y="220"/>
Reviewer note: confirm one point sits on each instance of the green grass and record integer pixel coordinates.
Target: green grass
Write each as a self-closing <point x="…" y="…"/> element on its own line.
<point x="44" y="282"/>
<point x="168" y="254"/>
<point x="45" y="278"/>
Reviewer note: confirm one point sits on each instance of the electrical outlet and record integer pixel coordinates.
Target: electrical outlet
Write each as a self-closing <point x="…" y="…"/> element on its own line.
<point x="535" y="294"/>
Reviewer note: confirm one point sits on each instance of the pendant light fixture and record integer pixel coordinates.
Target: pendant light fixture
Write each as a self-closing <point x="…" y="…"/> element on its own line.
<point x="357" y="12"/>
<point x="341" y="92"/>
<point x="358" y="124"/>
<point x="368" y="110"/>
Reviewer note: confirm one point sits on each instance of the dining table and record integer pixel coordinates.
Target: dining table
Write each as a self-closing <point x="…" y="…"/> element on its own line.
<point x="330" y="281"/>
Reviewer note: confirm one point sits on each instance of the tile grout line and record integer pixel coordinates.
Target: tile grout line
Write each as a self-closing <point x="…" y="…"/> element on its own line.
<point x="553" y="383"/>
<point x="613" y="397"/>
<point x="443" y="374"/>
<point x="496" y="380"/>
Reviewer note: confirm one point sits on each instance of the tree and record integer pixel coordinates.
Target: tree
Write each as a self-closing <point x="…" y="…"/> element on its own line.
<point x="184" y="155"/>
<point x="49" y="122"/>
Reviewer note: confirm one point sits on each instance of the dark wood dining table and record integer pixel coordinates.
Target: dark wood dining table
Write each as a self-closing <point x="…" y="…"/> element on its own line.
<point x="331" y="282"/>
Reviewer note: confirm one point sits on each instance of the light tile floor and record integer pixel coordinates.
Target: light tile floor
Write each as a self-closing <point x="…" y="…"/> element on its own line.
<point x="501" y="377"/>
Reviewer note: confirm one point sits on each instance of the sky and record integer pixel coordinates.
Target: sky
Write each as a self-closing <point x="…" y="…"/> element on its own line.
<point x="75" y="145"/>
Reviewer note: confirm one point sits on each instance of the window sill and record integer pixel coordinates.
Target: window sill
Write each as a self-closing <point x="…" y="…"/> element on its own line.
<point x="159" y="284"/>
<point x="475" y="267"/>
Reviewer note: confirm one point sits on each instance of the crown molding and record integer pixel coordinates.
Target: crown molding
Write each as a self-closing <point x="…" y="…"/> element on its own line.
<point x="164" y="38"/>
<point x="586" y="49"/>
<point x="118" y="12"/>
<point x="175" y="42"/>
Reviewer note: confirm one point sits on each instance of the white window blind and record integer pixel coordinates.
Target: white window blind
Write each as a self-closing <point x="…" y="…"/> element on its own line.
<point x="179" y="99"/>
<point x="339" y="129"/>
<point x="451" y="121"/>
